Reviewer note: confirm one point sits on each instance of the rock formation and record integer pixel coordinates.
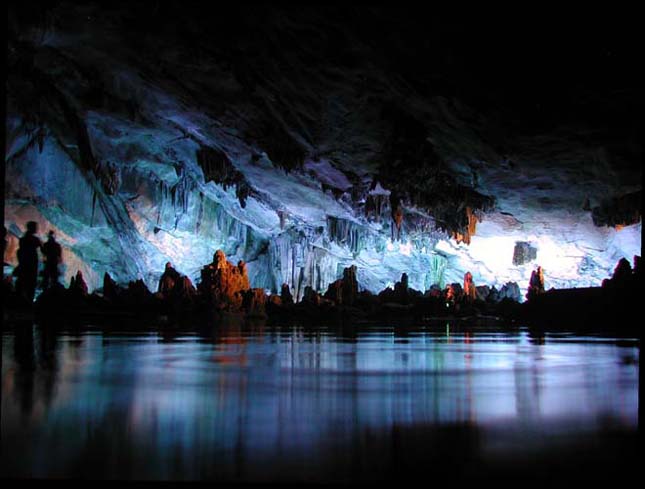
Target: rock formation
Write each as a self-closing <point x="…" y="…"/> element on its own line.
<point x="510" y="290"/>
<point x="311" y="297"/>
<point x="344" y="291"/>
<point x="77" y="285"/>
<point x="184" y="291"/>
<point x="223" y="284"/>
<point x="464" y="235"/>
<point x="523" y="253"/>
<point x="619" y="211"/>
<point x="350" y="286"/>
<point x="470" y="292"/>
<point x="135" y="157"/>
<point x="169" y="279"/>
<point x="111" y="291"/>
<point x="285" y="295"/>
<point x="624" y="276"/>
<point x="482" y="292"/>
<point x="254" y="302"/>
<point x="454" y="293"/>
<point x="401" y="290"/>
<point x="536" y="283"/>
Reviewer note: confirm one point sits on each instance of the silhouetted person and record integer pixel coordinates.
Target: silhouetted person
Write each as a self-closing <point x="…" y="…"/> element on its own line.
<point x="168" y="280"/>
<point x="27" y="270"/>
<point x="53" y="256"/>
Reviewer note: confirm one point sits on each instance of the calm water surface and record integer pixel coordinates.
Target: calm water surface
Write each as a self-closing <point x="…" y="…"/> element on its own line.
<point x="265" y="404"/>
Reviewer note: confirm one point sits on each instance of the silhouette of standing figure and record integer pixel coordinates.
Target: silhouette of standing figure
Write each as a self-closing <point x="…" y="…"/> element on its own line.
<point x="27" y="272"/>
<point x="53" y="255"/>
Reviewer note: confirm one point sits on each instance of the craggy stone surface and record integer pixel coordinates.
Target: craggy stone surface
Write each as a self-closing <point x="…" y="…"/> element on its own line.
<point x="223" y="284"/>
<point x="304" y="141"/>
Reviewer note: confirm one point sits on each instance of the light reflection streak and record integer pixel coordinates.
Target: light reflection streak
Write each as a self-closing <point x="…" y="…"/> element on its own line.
<point x="289" y="396"/>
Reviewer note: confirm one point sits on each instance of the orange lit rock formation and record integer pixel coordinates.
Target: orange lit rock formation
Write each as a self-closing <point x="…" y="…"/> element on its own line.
<point x="254" y="302"/>
<point x="470" y="228"/>
<point x="223" y="283"/>
<point x="470" y="292"/>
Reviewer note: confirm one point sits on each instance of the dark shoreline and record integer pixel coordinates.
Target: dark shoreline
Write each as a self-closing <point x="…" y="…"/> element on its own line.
<point x="224" y="293"/>
<point x="129" y="321"/>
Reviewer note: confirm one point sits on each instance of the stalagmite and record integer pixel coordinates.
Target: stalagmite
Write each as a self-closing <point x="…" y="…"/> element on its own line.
<point x="470" y="291"/>
<point x="454" y="293"/>
<point x="254" y="302"/>
<point x="168" y="280"/>
<point x="350" y="285"/>
<point x="310" y="296"/>
<point x="223" y="283"/>
<point x="285" y="295"/>
<point x="78" y="285"/>
<point x="401" y="290"/>
<point x="111" y="290"/>
<point x="536" y="283"/>
<point x="344" y="291"/>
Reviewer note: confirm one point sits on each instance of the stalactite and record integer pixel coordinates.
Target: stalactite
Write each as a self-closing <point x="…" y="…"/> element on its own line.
<point x="282" y="215"/>
<point x="217" y="167"/>
<point x="619" y="211"/>
<point x="161" y="201"/>
<point x="93" y="207"/>
<point x="347" y="233"/>
<point x="296" y="261"/>
<point x="200" y="213"/>
<point x="397" y="216"/>
<point x="376" y="206"/>
<point x="470" y="228"/>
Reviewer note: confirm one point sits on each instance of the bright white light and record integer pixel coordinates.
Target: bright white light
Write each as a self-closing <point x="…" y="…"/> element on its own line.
<point x="559" y="260"/>
<point x="405" y="249"/>
<point x="389" y="245"/>
<point x="495" y="252"/>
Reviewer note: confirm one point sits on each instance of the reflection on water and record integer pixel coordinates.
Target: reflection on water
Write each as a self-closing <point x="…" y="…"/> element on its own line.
<point x="256" y="403"/>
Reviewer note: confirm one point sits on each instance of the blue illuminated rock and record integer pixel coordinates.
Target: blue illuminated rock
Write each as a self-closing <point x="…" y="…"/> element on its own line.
<point x="136" y="158"/>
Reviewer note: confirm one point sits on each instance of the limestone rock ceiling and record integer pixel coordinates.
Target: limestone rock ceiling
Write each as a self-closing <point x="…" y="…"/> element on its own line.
<point x="305" y="140"/>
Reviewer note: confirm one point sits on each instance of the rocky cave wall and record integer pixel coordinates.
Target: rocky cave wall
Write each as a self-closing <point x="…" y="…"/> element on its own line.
<point x="137" y="158"/>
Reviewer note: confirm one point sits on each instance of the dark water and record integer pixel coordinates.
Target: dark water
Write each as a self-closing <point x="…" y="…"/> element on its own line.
<point x="288" y="404"/>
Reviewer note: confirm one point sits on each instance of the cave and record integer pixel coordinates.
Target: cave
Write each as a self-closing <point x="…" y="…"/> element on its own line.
<point x="343" y="157"/>
<point x="138" y="150"/>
